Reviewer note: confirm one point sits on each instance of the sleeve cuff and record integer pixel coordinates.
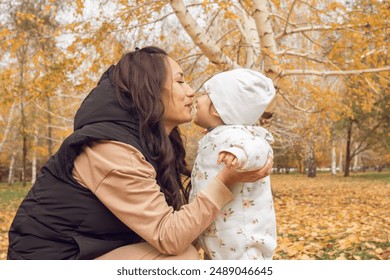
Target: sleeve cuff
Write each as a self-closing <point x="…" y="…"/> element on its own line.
<point x="239" y="153"/>
<point x="218" y="193"/>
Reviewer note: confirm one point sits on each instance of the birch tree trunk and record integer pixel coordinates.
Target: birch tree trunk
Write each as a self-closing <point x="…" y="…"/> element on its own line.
<point x="22" y="57"/>
<point x="11" y="171"/>
<point x="23" y="125"/>
<point x="34" y="158"/>
<point x="333" y="166"/>
<point x="355" y="167"/>
<point x="312" y="159"/>
<point x="8" y="125"/>
<point x="49" y="128"/>
<point x="247" y="27"/>
<point x="208" y="46"/>
<point x="341" y="164"/>
<point x="267" y="40"/>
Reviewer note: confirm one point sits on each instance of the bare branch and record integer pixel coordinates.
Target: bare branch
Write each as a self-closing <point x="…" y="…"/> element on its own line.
<point x="200" y="38"/>
<point x="288" y="17"/>
<point x="282" y="94"/>
<point x="363" y="145"/>
<point x="383" y="49"/>
<point x="52" y="114"/>
<point x="371" y="86"/>
<point x="315" y="28"/>
<point x="303" y="55"/>
<point x="333" y="73"/>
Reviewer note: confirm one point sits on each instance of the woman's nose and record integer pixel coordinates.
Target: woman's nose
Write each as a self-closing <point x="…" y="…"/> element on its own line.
<point x="189" y="91"/>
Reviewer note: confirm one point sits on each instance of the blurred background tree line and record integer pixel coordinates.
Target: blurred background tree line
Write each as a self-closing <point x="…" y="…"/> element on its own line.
<point x="329" y="61"/>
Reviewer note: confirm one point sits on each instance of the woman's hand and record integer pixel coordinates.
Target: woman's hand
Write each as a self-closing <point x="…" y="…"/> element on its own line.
<point x="230" y="177"/>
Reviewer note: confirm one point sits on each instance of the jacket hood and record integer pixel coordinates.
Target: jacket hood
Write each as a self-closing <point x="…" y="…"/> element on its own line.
<point x="101" y="105"/>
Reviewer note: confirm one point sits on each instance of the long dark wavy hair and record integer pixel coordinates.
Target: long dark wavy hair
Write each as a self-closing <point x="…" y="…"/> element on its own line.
<point x="142" y="75"/>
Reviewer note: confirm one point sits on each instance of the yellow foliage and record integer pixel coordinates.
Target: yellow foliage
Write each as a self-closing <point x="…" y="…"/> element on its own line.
<point x="5" y="32"/>
<point x="230" y="15"/>
<point x="79" y="6"/>
<point x="72" y="48"/>
<point x="335" y="6"/>
<point x="95" y="68"/>
<point x="124" y="2"/>
<point x="47" y="8"/>
<point x="101" y="42"/>
<point x="275" y="2"/>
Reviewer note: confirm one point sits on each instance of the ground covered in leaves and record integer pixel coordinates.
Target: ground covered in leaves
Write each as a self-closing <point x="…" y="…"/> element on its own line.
<point x="333" y="217"/>
<point x="327" y="217"/>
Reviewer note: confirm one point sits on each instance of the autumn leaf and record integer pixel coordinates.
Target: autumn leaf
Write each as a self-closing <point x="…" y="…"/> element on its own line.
<point x="331" y="217"/>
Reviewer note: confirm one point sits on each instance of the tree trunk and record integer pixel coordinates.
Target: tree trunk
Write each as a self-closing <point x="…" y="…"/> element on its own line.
<point x="208" y="46"/>
<point x="34" y="158"/>
<point x="22" y="57"/>
<point x="34" y="168"/>
<point x="341" y="157"/>
<point x="300" y="167"/>
<point x="356" y="160"/>
<point x="348" y="150"/>
<point x="8" y="126"/>
<point x="11" y="172"/>
<point x="24" y="139"/>
<point x="49" y="128"/>
<point x="247" y="27"/>
<point x="312" y="161"/>
<point x="267" y="40"/>
<point x="333" y="166"/>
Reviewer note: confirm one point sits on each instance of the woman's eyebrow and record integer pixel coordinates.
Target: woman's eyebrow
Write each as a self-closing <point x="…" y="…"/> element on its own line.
<point x="180" y="74"/>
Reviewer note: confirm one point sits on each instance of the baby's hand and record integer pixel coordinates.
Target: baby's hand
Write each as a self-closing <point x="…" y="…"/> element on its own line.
<point x="229" y="159"/>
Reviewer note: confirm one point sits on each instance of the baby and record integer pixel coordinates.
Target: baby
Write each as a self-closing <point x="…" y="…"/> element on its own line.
<point x="232" y="103"/>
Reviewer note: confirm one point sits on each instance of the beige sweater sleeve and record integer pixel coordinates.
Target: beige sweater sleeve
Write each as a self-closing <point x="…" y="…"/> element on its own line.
<point x="124" y="181"/>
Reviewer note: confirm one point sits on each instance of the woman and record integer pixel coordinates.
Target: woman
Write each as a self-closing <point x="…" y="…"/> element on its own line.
<point x="114" y="189"/>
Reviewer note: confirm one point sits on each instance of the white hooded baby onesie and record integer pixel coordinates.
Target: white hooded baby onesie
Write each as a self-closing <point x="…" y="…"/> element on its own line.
<point x="246" y="227"/>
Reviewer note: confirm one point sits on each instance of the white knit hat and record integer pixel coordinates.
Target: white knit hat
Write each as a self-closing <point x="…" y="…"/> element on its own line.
<point x="240" y="96"/>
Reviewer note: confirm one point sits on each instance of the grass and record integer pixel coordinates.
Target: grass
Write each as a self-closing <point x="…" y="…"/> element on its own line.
<point x="10" y="199"/>
<point x="377" y="176"/>
<point x="11" y="196"/>
<point x="327" y="217"/>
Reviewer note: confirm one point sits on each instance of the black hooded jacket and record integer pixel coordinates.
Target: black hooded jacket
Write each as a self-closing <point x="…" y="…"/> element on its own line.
<point x="59" y="218"/>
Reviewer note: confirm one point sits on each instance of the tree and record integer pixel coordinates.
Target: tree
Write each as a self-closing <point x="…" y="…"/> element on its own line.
<point x="363" y="116"/>
<point x="308" y="48"/>
<point x="300" y="45"/>
<point x="32" y="75"/>
<point x="22" y="47"/>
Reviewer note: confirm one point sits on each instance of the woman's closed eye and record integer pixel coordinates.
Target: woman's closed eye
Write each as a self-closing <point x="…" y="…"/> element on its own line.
<point x="200" y="93"/>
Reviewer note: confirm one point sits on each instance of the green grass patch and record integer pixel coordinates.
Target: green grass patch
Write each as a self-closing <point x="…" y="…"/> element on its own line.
<point x="382" y="245"/>
<point x="383" y="176"/>
<point x="12" y="196"/>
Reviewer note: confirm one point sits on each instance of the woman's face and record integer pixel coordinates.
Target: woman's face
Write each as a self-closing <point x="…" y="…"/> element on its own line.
<point x="178" y="98"/>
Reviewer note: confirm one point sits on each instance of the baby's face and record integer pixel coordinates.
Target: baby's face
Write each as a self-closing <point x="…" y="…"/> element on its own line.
<point x="205" y="115"/>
